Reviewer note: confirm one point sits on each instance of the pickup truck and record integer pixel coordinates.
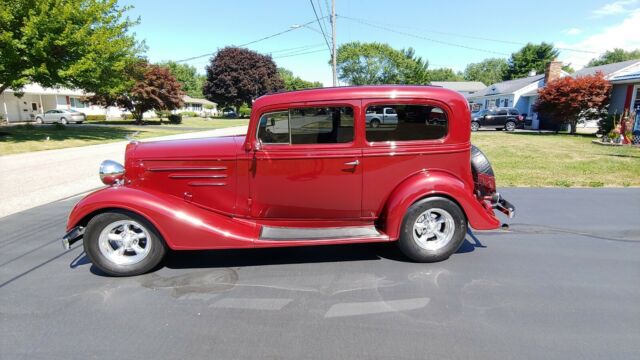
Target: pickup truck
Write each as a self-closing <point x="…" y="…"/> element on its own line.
<point x="309" y="171"/>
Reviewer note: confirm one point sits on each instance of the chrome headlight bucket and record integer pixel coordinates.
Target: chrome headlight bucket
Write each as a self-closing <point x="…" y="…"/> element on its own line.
<point x="111" y="172"/>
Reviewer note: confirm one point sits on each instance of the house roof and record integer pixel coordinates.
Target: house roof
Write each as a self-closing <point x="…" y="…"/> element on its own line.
<point x="37" y="89"/>
<point x="607" y="69"/>
<point x="627" y="77"/>
<point x="508" y="87"/>
<point x="460" y="85"/>
<point x="192" y="100"/>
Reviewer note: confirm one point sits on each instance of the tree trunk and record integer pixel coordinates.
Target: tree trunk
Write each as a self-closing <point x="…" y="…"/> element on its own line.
<point x="139" y="115"/>
<point x="572" y="126"/>
<point x="3" y="87"/>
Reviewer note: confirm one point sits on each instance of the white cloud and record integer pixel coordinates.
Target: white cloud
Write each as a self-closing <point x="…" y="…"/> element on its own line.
<point x="614" y="8"/>
<point x="623" y="35"/>
<point x="573" y="31"/>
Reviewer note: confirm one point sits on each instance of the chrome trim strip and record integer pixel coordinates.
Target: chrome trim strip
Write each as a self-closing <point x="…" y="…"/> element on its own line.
<point x="278" y="233"/>
<point x="217" y="168"/>
<point x="201" y="183"/>
<point x="194" y="176"/>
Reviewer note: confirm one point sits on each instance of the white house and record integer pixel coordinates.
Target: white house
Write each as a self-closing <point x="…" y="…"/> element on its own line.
<point x="203" y="107"/>
<point x="36" y="99"/>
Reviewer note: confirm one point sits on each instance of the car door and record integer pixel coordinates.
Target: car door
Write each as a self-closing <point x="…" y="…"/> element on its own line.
<point x="501" y="117"/>
<point x="489" y="118"/>
<point x="50" y="115"/>
<point x="307" y="164"/>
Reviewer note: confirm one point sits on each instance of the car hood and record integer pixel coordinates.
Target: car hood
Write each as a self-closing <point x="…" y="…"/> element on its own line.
<point x="218" y="147"/>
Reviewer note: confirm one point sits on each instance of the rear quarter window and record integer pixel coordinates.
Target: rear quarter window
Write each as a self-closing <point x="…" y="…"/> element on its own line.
<point x="405" y="123"/>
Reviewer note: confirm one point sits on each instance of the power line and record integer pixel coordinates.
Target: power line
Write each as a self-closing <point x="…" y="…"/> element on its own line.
<point x="251" y="42"/>
<point x="298" y="54"/>
<point x="474" y="37"/>
<point x="324" y="36"/>
<point x="422" y="37"/>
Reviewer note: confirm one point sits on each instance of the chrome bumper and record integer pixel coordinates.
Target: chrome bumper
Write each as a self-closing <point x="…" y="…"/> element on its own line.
<point x="502" y="205"/>
<point x="72" y="236"/>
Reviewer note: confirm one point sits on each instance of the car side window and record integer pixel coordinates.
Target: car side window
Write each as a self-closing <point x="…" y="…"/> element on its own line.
<point x="502" y="112"/>
<point x="308" y="125"/>
<point x="513" y="112"/>
<point x="408" y="123"/>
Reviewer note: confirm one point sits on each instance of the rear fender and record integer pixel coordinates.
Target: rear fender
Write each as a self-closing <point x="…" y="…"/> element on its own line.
<point x="435" y="183"/>
<point x="183" y="226"/>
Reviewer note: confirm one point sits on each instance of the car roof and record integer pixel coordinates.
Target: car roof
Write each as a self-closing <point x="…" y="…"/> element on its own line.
<point x="360" y="92"/>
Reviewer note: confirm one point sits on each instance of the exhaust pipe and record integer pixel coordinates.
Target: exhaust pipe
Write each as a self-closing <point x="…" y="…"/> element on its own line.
<point x="72" y="236"/>
<point x="502" y="205"/>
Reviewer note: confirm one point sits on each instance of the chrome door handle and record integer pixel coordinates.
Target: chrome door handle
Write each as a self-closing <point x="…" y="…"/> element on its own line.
<point x="352" y="163"/>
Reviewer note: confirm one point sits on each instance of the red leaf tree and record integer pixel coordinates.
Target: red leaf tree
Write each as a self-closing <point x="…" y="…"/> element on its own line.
<point x="151" y="87"/>
<point x="237" y="76"/>
<point x="565" y="100"/>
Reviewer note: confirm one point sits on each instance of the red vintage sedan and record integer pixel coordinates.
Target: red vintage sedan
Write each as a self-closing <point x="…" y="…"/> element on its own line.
<point x="311" y="170"/>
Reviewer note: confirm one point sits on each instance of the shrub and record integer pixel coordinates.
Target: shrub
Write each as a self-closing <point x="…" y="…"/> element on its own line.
<point x="127" y="116"/>
<point x="96" y="117"/>
<point x="175" y="118"/>
<point x="189" y="113"/>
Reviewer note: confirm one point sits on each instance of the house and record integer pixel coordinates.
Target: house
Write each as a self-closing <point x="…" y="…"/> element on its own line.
<point x="202" y="107"/>
<point x="466" y="88"/>
<point x="35" y="99"/>
<point x="625" y="78"/>
<point x="518" y="93"/>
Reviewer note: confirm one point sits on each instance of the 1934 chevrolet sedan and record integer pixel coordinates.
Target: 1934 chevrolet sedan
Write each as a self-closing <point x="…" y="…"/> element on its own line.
<point x="311" y="170"/>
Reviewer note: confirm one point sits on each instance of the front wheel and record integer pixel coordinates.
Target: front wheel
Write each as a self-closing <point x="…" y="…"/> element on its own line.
<point x="39" y="121"/>
<point x="63" y="121"/>
<point x="123" y="244"/>
<point x="475" y="126"/>
<point x="432" y="230"/>
<point x="375" y="123"/>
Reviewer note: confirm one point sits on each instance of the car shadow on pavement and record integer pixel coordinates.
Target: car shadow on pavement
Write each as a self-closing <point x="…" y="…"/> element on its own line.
<point x="288" y="255"/>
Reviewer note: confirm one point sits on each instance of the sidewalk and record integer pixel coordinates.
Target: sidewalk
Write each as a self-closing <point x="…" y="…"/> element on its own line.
<point x="33" y="179"/>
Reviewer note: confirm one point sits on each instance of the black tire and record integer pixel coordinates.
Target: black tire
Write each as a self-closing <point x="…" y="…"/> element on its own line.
<point x="475" y="126"/>
<point x="63" y="121"/>
<point x="39" y="121"/>
<point x="410" y="246"/>
<point x="375" y="123"/>
<point x="91" y="245"/>
<point x="510" y="126"/>
<point x="78" y="122"/>
<point x="480" y="163"/>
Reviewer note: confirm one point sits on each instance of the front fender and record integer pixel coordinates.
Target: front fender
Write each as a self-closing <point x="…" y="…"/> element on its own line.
<point x="431" y="183"/>
<point x="183" y="225"/>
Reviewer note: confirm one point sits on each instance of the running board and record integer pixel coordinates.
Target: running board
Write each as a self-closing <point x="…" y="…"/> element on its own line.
<point x="276" y="233"/>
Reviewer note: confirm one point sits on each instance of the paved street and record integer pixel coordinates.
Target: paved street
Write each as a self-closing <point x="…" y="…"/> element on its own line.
<point x="37" y="178"/>
<point x="563" y="283"/>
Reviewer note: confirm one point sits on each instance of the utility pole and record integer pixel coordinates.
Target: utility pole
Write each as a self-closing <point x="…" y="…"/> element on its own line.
<point x="333" y="41"/>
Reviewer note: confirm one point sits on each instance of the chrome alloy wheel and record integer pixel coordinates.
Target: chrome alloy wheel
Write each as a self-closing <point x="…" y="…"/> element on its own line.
<point x="433" y="229"/>
<point x="124" y="242"/>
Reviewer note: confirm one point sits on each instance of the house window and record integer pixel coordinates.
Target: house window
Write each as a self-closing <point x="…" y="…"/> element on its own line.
<point x="497" y="103"/>
<point x="505" y="102"/>
<point x="77" y="104"/>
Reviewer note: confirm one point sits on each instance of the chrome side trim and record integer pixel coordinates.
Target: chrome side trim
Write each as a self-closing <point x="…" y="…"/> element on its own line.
<point x="202" y="183"/>
<point x="215" y="168"/>
<point x="195" y="176"/>
<point x="297" y="233"/>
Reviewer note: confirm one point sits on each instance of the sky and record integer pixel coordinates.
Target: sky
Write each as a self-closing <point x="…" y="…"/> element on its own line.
<point x="449" y="33"/>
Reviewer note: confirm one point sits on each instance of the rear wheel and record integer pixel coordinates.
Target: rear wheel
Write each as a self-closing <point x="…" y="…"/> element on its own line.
<point x="123" y="244"/>
<point x="432" y="230"/>
<point x="475" y="126"/>
<point x="64" y="121"/>
<point x="39" y="120"/>
<point x="375" y="123"/>
<point x="510" y="126"/>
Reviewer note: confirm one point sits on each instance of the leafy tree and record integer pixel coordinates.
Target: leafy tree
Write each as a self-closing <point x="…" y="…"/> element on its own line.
<point x="83" y="44"/>
<point x="444" y="74"/>
<point x="566" y="99"/>
<point x="153" y="88"/>
<point x="614" y="56"/>
<point x="188" y="76"/>
<point x="292" y="82"/>
<point x="376" y="63"/>
<point x="237" y="76"/>
<point x="530" y="57"/>
<point x="488" y="71"/>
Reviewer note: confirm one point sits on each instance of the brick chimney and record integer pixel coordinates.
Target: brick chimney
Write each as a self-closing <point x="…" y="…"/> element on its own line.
<point x="553" y="71"/>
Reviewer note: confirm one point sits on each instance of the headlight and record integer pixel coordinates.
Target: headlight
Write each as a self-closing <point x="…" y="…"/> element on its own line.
<point x="111" y="172"/>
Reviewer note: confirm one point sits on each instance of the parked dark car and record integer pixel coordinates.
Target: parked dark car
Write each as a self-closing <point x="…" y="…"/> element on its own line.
<point x="498" y="118"/>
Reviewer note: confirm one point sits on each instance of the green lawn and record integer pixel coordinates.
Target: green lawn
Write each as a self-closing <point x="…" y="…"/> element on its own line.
<point x="532" y="159"/>
<point x="26" y="138"/>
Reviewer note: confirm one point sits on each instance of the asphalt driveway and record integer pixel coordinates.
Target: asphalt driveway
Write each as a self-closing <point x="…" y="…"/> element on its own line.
<point x="563" y="283"/>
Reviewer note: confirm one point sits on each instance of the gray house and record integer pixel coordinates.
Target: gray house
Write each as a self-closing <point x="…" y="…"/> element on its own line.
<point x="625" y="78"/>
<point x="466" y="88"/>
